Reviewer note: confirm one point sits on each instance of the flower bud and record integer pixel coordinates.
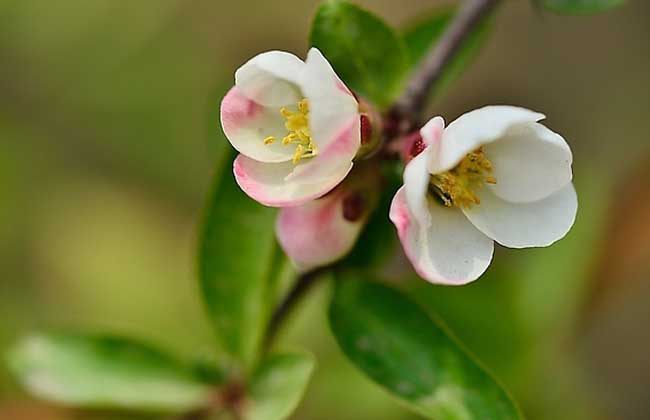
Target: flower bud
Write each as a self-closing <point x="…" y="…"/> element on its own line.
<point x="371" y="130"/>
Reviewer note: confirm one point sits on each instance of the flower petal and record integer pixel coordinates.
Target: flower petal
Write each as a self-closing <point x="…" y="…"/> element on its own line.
<point x="523" y="225"/>
<point x="271" y="78"/>
<point x="316" y="233"/>
<point x="432" y="131"/>
<point x="475" y="128"/>
<point x="331" y="158"/>
<point x="529" y="163"/>
<point x="450" y="251"/>
<point x="246" y="125"/>
<point x="331" y="105"/>
<point x="416" y="186"/>
<point x="267" y="183"/>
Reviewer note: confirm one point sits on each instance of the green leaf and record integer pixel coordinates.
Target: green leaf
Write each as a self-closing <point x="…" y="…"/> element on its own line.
<point x="365" y="52"/>
<point x="105" y="372"/>
<point x="236" y="259"/>
<point x="393" y="341"/>
<point x="424" y="34"/>
<point x="378" y="239"/>
<point x="278" y="386"/>
<point x="577" y="7"/>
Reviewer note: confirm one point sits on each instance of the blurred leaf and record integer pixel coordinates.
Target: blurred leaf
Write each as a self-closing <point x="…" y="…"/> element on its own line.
<point x="365" y="52"/>
<point x="393" y="341"/>
<point x="105" y="372"/>
<point x="580" y="6"/>
<point x="378" y="238"/>
<point x="625" y="252"/>
<point x="423" y="35"/>
<point x="235" y="262"/>
<point x="502" y="345"/>
<point x="278" y="385"/>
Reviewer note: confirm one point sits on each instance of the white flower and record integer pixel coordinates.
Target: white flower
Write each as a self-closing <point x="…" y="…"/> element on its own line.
<point x="494" y="174"/>
<point x="296" y="125"/>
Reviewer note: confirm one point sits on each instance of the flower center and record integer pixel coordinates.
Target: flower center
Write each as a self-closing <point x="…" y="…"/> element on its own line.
<point x="297" y="124"/>
<point x="457" y="186"/>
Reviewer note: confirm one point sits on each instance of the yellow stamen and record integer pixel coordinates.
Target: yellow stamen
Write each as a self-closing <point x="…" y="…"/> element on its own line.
<point x="300" y="151"/>
<point x="297" y="124"/>
<point x="457" y="186"/>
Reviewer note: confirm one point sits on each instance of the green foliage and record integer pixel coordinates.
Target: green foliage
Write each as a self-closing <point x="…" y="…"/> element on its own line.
<point x="365" y="52"/>
<point x="501" y="345"/>
<point x="393" y="341"/>
<point x="278" y="385"/>
<point x="378" y="238"/>
<point x="105" y="372"/>
<point x="236" y="260"/>
<point x="576" y="7"/>
<point x="424" y="34"/>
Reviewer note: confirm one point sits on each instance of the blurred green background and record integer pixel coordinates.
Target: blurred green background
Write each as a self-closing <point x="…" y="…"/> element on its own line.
<point x="109" y="135"/>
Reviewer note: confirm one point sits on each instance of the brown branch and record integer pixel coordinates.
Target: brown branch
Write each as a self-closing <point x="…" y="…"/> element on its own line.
<point x="304" y="283"/>
<point x="406" y="112"/>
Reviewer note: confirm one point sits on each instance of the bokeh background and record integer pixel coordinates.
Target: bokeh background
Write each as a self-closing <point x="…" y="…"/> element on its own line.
<point x="109" y="137"/>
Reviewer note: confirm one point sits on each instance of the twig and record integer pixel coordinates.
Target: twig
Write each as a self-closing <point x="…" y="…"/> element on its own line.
<point x="304" y="283"/>
<point x="407" y="111"/>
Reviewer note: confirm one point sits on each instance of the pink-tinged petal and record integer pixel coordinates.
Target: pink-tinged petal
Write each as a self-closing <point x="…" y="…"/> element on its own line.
<point x="530" y="162"/>
<point x="416" y="186"/>
<point x="330" y="106"/>
<point x="524" y="225"/>
<point x="331" y="158"/>
<point x="476" y="128"/>
<point x="432" y="131"/>
<point x="317" y="233"/>
<point x="267" y="183"/>
<point x="247" y="123"/>
<point x="271" y="78"/>
<point x="413" y="144"/>
<point x="450" y="251"/>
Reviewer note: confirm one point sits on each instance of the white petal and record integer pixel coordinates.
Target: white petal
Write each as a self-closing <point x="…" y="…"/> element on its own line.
<point x="271" y="78"/>
<point x="450" y="251"/>
<point x="475" y="128"/>
<point x="334" y="155"/>
<point x="267" y="182"/>
<point x="316" y="233"/>
<point x="530" y="162"/>
<point x="416" y="186"/>
<point x="523" y="225"/>
<point x="331" y="105"/>
<point x="432" y="131"/>
<point x="247" y="123"/>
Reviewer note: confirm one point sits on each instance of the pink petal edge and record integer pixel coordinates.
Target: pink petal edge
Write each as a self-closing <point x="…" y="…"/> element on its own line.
<point x="342" y="149"/>
<point x="258" y="191"/>
<point x="405" y="224"/>
<point x="236" y="108"/>
<point x="316" y="233"/>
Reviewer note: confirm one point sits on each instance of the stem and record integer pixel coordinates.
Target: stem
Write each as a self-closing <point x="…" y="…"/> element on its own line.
<point x="409" y="107"/>
<point x="304" y="283"/>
